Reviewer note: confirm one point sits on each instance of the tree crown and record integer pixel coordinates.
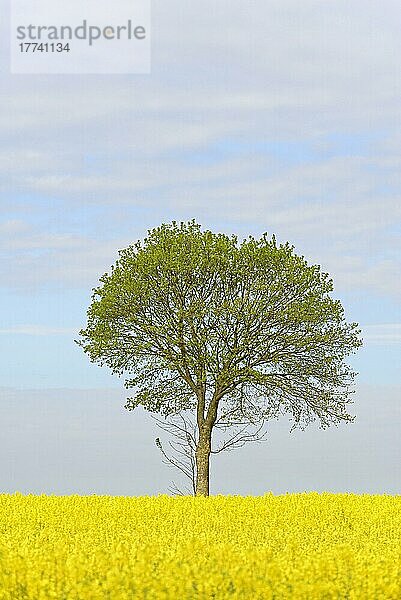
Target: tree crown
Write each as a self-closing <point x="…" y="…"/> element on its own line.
<point x="193" y="316"/>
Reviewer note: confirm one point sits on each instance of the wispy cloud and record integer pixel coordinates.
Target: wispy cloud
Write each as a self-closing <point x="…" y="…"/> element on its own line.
<point x="37" y="330"/>
<point x="278" y="72"/>
<point x="389" y="333"/>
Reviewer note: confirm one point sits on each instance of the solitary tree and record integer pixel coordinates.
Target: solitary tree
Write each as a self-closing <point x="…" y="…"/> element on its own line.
<point x="232" y="333"/>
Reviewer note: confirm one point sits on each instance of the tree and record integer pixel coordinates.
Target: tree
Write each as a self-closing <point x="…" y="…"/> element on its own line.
<point x="232" y="333"/>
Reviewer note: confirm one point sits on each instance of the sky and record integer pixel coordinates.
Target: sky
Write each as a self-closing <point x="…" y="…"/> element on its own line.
<point x="275" y="116"/>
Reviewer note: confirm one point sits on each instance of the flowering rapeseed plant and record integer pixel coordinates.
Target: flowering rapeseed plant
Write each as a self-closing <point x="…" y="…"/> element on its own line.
<point x="299" y="546"/>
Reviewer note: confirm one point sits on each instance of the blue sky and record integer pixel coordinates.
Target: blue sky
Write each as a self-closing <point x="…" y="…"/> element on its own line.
<point x="283" y="118"/>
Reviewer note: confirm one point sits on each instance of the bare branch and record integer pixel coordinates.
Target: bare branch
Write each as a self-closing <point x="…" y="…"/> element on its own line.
<point x="240" y="438"/>
<point x="183" y="448"/>
<point x="174" y="489"/>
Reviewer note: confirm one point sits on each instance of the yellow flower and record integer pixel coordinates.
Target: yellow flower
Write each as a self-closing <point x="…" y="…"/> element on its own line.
<point x="298" y="546"/>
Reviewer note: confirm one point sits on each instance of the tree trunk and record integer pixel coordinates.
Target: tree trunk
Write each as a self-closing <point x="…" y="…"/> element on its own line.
<point x="202" y="463"/>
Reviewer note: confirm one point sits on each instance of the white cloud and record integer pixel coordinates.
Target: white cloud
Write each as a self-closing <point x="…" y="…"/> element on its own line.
<point x="34" y="258"/>
<point x="37" y="330"/>
<point x="265" y="72"/>
<point x="385" y="334"/>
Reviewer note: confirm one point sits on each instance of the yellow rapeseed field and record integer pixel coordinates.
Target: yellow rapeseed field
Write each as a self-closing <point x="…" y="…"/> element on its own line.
<point x="301" y="546"/>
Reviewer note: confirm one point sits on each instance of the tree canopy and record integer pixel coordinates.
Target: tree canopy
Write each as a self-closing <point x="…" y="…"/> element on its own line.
<point x="233" y="331"/>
